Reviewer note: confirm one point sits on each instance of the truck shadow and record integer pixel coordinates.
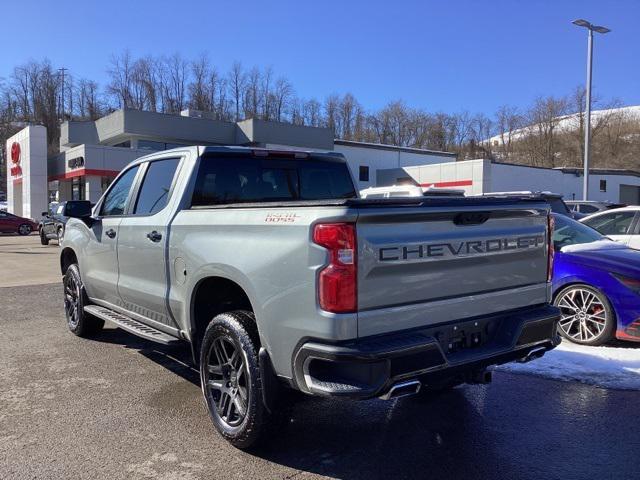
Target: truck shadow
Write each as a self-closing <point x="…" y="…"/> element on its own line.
<point x="176" y="359"/>
<point x="519" y="427"/>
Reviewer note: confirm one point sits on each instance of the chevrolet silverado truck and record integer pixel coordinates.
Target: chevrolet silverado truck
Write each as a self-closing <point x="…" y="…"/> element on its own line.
<point x="281" y="279"/>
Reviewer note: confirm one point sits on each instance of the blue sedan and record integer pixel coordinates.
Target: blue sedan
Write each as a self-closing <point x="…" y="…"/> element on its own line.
<point x="596" y="284"/>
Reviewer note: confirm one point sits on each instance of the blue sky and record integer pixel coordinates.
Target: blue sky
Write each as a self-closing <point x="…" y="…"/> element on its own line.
<point x="438" y="55"/>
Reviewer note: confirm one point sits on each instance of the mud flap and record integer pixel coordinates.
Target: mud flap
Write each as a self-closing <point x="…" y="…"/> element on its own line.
<point x="271" y="388"/>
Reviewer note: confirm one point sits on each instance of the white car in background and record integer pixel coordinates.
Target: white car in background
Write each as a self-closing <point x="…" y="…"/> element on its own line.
<point x="620" y="224"/>
<point x="4" y="206"/>
<point x="408" y="191"/>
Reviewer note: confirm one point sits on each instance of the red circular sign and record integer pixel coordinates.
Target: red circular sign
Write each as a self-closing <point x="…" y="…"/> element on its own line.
<point x="15" y="152"/>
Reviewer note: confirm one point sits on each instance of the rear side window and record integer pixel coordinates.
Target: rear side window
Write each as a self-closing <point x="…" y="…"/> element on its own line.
<point x="223" y="180"/>
<point x="588" y="209"/>
<point x="154" y="193"/>
<point x="116" y="200"/>
<point x="617" y="223"/>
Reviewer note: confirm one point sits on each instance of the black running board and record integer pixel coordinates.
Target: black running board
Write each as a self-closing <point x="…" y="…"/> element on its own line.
<point x="132" y="326"/>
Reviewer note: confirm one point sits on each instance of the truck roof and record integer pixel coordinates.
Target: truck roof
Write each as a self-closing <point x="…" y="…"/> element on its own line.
<point x="214" y="150"/>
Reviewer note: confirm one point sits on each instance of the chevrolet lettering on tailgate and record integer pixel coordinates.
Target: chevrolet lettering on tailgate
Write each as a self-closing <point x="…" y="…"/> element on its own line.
<point x="459" y="249"/>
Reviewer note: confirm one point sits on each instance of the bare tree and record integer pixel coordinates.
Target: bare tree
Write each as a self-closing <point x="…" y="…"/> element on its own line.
<point x="252" y="94"/>
<point x="540" y="139"/>
<point x="175" y="87"/>
<point x="120" y="79"/>
<point x="282" y="94"/>
<point x="88" y="104"/>
<point x="200" y="88"/>
<point x="236" y="83"/>
<point x="331" y="105"/>
<point x="267" y="97"/>
<point x="508" y="120"/>
<point x="312" y="113"/>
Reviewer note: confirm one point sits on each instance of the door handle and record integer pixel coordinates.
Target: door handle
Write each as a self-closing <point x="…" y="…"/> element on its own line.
<point x="111" y="233"/>
<point x="154" y="236"/>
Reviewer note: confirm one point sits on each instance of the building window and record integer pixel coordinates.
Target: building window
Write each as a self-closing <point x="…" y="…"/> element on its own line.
<point x="603" y="185"/>
<point x="77" y="188"/>
<point x="156" y="146"/>
<point x="364" y="173"/>
<point x="104" y="183"/>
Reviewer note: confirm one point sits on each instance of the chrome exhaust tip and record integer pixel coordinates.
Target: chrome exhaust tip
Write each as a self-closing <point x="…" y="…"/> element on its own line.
<point x="402" y="389"/>
<point x="532" y="355"/>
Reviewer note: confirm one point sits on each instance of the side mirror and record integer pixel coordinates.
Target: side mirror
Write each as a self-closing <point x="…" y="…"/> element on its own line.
<point x="77" y="209"/>
<point x="45" y="214"/>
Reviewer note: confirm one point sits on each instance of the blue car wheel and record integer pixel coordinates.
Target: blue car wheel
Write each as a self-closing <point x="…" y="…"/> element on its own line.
<point x="587" y="316"/>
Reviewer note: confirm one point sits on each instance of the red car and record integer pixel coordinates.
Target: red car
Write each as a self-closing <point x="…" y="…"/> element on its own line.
<point x="10" y="223"/>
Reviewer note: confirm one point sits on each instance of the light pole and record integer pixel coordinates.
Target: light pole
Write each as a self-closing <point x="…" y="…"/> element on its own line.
<point x="587" y="127"/>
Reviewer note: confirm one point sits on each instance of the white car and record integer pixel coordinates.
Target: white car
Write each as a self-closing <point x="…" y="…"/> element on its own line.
<point x="620" y="224"/>
<point x="408" y="191"/>
<point x="3" y="206"/>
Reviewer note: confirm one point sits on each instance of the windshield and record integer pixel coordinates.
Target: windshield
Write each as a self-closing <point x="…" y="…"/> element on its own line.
<point x="569" y="232"/>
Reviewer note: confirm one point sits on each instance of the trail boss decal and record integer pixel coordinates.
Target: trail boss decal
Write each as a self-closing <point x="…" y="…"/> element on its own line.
<point x="459" y="249"/>
<point x="281" y="218"/>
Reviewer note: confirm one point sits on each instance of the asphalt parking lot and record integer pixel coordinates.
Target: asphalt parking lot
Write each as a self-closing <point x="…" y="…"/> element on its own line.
<point x="24" y="261"/>
<point x="121" y="407"/>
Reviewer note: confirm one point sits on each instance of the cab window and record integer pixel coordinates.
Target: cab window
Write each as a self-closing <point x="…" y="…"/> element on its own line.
<point x="116" y="200"/>
<point x="154" y="193"/>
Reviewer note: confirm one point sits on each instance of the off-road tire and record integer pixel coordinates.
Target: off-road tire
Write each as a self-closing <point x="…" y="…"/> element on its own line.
<point x="79" y="322"/>
<point x="237" y="329"/>
<point x="43" y="238"/>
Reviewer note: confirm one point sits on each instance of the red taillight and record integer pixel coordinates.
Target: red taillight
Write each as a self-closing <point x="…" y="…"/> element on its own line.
<point x="338" y="281"/>
<point x="551" y="250"/>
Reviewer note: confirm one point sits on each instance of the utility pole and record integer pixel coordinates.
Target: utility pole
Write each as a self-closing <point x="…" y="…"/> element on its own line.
<point x="587" y="124"/>
<point x="62" y="112"/>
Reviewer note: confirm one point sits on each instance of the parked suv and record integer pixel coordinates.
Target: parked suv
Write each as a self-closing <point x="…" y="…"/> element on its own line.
<point x="280" y="278"/>
<point x="51" y="226"/>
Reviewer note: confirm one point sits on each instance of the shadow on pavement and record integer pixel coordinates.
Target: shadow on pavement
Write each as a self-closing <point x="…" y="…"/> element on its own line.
<point x="176" y="359"/>
<point x="519" y="427"/>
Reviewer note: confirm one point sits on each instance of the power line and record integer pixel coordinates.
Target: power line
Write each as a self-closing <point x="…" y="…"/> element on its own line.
<point x="62" y="112"/>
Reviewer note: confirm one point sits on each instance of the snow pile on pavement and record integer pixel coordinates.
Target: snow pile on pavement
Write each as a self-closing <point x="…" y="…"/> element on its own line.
<point x="606" y="367"/>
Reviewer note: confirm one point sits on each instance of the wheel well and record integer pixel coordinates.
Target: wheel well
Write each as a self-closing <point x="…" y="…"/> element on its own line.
<point x="212" y="296"/>
<point x="67" y="258"/>
<point x="567" y="285"/>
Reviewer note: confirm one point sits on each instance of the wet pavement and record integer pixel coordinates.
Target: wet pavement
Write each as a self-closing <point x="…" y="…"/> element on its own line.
<point x="120" y="407"/>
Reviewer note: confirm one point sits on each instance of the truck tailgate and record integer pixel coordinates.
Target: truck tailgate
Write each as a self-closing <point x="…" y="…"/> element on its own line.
<point x="421" y="265"/>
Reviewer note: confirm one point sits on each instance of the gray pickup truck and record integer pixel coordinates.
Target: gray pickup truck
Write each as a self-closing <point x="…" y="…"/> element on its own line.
<point x="280" y="278"/>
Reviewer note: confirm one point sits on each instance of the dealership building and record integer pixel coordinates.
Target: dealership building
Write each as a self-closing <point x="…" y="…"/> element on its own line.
<point x="476" y="177"/>
<point x="92" y="153"/>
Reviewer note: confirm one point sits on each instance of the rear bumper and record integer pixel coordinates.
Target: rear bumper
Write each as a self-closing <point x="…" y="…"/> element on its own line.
<point x="369" y="367"/>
